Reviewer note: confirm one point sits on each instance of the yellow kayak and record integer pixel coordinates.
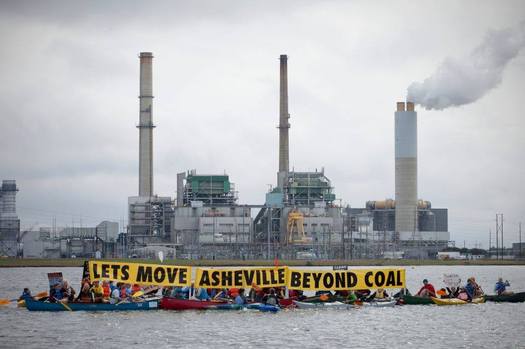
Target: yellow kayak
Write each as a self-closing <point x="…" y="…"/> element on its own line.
<point x="456" y="301"/>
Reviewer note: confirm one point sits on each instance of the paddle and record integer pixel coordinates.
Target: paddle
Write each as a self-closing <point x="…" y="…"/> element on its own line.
<point x="137" y="294"/>
<point x="7" y="301"/>
<point x="66" y="306"/>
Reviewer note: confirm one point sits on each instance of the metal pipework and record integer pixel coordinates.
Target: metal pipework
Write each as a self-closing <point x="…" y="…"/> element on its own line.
<point x="145" y="125"/>
<point x="284" y="125"/>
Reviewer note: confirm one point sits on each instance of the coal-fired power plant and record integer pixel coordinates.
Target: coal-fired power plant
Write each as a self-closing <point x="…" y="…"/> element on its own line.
<point x="300" y="218"/>
<point x="406" y="168"/>
<point x="145" y="125"/>
<point x="284" y="125"/>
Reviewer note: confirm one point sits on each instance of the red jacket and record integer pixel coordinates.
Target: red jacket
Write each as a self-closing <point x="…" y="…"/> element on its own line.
<point x="428" y="287"/>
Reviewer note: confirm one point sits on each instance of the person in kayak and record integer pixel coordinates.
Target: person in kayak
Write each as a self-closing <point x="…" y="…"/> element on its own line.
<point x="114" y="297"/>
<point x="351" y="298"/>
<point x="380" y="294"/>
<point x="427" y="290"/>
<point x="68" y="291"/>
<point x="26" y="293"/>
<point x="56" y="294"/>
<point x="501" y="288"/>
<point x="362" y="295"/>
<point x="271" y="298"/>
<point x="202" y="294"/>
<point x="240" y="299"/>
<point x="472" y="289"/>
<point x="221" y="295"/>
<point x="85" y="294"/>
<point x="97" y="291"/>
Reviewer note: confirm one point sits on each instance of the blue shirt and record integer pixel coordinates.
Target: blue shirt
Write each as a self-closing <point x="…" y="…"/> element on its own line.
<point x="500" y="287"/>
<point x="203" y="295"/>
<point x="470" y="290"/>
<point x="239" y="300"/>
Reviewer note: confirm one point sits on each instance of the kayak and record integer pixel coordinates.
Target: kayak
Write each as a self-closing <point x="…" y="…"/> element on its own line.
<point x="511" y="298"/>
<point x="33" y="305"/>
<point x="415" y="300"/>
<point x="456" y="301"/>
<point x="286" y="302"/>
<point x="330" y="299"/>
<point x="322" y="305"/>
<point x="380" y="304"/>
<point x="253" y="306"/>
<point x="172" y="303"/>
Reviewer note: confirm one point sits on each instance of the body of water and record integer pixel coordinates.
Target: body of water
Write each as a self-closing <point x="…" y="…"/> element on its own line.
<point x="489" y="325"/>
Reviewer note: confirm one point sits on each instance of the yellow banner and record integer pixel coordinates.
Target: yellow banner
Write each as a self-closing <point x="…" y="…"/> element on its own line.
<point x="334" y="280"/>
<point x="240" y="277"/>
<point x="138" y="273"/>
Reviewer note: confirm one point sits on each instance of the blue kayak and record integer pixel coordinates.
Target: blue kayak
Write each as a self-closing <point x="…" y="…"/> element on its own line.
<point x="33" y="305"/>
<point x="254" y="306"/>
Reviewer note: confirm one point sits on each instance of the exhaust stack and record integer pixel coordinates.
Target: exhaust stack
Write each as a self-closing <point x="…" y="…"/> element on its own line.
<point x="284" y="125"/>
<point x="145" y="125"/>
<point x="406" y="168"/>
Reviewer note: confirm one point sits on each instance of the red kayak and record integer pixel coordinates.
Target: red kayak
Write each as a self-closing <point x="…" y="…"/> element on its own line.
<point x="286" y="303"/>
<point x="187" y="304"/>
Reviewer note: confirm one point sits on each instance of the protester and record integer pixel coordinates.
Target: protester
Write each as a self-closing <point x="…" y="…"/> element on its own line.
<point x="115" y="295"/>
<point x="56" y="295"/>
<point x="427" y="290"/>
<point x="202" y="294"/>
<point x="380" y="294"/>
<point x="68" y="291"/>
<point x="351" y="298"/>
<point x="271" y="298"/>
<point x="501" y="287"/>
<point x="240" y="299"/>
<point x="85" y="294"/>
<point x="97" y="291"/>
<point x="25" y="294"/>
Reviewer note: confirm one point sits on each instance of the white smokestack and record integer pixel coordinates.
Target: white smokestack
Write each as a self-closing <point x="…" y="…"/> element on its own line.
<point x="462" y="81"/>
<point x="146" y="125"/>
<point x="406" y="168"/>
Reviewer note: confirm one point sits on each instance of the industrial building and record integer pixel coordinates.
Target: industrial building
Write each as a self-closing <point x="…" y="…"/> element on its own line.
<point x="299" y="217"/>
<point x="68" y="242"/>
<point x="9" y="221"/>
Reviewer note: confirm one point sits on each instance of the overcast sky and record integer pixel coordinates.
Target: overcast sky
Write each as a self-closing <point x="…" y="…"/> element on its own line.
<point x="70" y="107"/>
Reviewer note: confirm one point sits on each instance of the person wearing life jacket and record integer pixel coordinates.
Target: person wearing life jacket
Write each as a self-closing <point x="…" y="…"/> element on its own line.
<point x="114" y="297"/>
<point x="351" y="298"/>
<point x="233" y="292"/>
<point x="427" y="290"/>
<point x="106" y="290"/>
<point x="97" y="291"/>
<point x="135" y="288"/>
<point x="123" y="294"/>
<point x="380" y="294"/>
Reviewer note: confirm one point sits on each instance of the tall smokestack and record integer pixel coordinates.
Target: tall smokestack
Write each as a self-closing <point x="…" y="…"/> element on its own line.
<point x="406" y="167"/>
<point x="146" y="125"/>
<point x="283" y="123"/>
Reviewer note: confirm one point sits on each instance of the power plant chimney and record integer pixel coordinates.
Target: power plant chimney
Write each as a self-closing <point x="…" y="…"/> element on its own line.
<point x="284" y="125"/>
<point x="406" y="168"/>
<point x="146" y="125"/>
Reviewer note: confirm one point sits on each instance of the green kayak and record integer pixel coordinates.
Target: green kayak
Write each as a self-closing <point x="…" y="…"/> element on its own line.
<point x="416" y="300"/>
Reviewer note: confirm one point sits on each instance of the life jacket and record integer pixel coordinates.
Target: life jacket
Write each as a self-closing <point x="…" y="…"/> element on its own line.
<point x="107" y="290"/>
<point x="123" y="293"/>
<point x="380" y="294"/>
<point x="135" y="289"/>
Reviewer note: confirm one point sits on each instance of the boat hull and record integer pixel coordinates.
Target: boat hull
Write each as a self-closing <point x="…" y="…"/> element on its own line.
<point x="513" y="298"/>
<point x="44" y="306"/>
<point x="323" y="305"/>
<point x="415" y="300"/>
<point x="171" y="303"/>
<point x="456" y="301"/>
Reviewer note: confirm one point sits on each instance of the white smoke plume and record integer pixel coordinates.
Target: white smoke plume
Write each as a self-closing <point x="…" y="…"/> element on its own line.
<point x="462" y="81"/>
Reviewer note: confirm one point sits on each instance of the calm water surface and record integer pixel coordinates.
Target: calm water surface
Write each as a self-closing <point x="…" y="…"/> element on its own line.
<point x="487" y="325"/>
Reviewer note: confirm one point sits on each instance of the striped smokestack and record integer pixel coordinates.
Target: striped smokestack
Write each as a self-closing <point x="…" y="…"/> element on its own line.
<point x="283" y="123"/>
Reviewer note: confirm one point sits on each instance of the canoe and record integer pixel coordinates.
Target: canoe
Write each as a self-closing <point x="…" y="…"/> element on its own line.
<point x="415" y="300"/>
<point x="322" y="305"/>
<point x="172" y="303"/>
<point x="380" y="304"/>
<point x="456" y="301"/>
<point x="33" y="305"/>
<point x="513" y="298"/>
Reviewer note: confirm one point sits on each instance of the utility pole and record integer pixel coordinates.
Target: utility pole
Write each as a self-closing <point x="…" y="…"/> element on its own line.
<point x="499" y="235"/>
<point x="520" y="239"/>
<point x="490" y="238"/>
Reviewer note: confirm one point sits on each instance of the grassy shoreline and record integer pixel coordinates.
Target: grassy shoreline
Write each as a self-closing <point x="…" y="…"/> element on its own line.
<point x="33" y="263"/>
